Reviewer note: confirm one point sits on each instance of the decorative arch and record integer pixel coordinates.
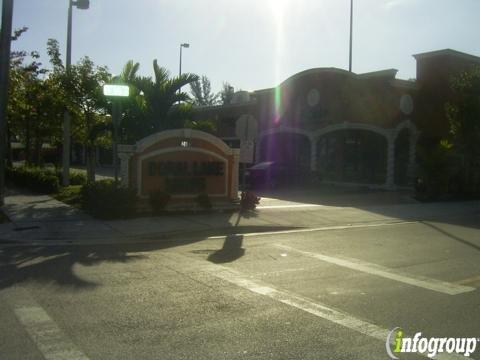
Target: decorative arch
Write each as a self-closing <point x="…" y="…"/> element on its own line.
<point x="409" y="125"/>
<point x="286" y="129"/>
<point x="185" y="133"/>
<point x="352" y="126"/>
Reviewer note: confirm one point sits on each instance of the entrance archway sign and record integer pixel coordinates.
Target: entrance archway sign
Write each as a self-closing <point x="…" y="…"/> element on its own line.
<point x="182" y="163"/>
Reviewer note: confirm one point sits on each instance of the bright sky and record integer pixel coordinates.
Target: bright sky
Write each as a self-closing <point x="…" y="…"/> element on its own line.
<point x="253" y="44"/>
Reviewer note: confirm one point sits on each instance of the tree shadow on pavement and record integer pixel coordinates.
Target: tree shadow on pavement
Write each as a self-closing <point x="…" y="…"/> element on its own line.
<point x="232" y="250"/>
<point x="54" y="265"/>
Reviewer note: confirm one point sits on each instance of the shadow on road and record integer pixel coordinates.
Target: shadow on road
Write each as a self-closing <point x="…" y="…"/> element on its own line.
<point x="453" y="237"/>
<point x="232" y="250"/>
<point x="54" y="265"/>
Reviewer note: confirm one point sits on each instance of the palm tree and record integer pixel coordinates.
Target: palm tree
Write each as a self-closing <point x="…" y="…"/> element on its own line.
<point x="162" y="94"/>
<point x="154" y="104"/>
<point x="134" y="122"/>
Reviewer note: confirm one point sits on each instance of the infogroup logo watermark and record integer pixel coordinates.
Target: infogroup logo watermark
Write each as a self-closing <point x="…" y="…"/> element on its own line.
<point x="397" y="343"/>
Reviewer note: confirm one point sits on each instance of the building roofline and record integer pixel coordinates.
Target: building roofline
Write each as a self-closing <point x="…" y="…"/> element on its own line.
<point x="444" y="52"/>
<point x="389" y="73"/>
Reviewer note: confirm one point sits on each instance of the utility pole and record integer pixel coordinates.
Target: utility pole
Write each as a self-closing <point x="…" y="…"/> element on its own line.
<point x="351" y="37"/>
<point x="66" y="115"/>
<point x="186" y="46"/>
<point x="83" y="5"/>
<point x="5" y="41"/>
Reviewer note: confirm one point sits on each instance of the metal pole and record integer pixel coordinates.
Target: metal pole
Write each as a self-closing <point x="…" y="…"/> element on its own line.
<point x="180" y="67"/>
<point x="5" y="40"/>
<point x="116" y="118"/>
<point x="66" y="115"/>
<point x="351" y="36"/>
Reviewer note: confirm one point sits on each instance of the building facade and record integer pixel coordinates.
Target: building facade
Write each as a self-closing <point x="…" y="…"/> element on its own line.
<point x="346" y="127"/>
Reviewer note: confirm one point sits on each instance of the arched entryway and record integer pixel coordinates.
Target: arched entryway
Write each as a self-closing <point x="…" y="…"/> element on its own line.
<point x="292" y="149"/>
<point x="352" y="155"/>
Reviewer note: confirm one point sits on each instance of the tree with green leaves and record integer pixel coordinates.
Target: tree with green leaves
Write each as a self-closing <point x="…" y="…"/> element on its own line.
<point x="201" y="90"/>
<point x="161" y="94"/>
<point x="134" y="124"/>
<point x="463" y="114"/>
<point x="226" y="94"/>
<point x="154" y="104"/>
<point x="82" y="92"/>
<point x="33" y="108"/>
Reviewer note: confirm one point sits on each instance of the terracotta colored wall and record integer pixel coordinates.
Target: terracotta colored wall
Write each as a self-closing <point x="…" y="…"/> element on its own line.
<point x="216" y="185"/>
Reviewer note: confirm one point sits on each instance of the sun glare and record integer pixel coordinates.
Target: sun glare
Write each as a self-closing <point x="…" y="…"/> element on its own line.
<point x="278" y="10"/>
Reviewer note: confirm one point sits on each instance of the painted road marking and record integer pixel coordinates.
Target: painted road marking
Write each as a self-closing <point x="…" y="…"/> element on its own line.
<point x="48" y="337"/>
<point x="290" y="206"/>
<point x="324" y="228"/>
<point x="285" y="297"/>
<point x="147" y="239"/>
<point x="472" y="280"/>
<point x="374" y="269"/>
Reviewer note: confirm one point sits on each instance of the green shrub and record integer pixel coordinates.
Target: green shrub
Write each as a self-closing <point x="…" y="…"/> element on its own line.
<point x="158" y="200"/>
<point x="76" y="178"/>
<point x="103" y="200"/>
<point x="34" y="178"/>
<point x="248" y="201"/>
<point x="203" y="201"/>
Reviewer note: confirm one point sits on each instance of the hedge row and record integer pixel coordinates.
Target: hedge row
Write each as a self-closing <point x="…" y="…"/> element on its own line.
<point x="35" y="179"/>
<point x="40" y="179"/>
<point x="104" y="200"/>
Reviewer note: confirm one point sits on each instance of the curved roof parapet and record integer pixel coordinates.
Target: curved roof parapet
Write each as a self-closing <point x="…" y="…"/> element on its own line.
<point x="387" y="73"/>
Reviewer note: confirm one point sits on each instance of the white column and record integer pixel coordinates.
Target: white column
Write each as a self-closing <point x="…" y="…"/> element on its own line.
<point x="412" y="151"/>
<point x="124" y="169"/>
<point x="390" y="179"/>
<point x="125" y="152"/>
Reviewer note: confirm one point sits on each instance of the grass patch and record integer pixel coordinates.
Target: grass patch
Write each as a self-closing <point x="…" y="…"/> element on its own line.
<point x="70" y="195"/>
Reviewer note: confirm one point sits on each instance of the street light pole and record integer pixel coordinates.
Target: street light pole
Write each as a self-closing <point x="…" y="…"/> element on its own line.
<point x="351" y="36"/>
<point x="80" y="4"/>
<point x="5" y="41"/>
<point x="184" y="45"/>
<point x="66" y="114"/>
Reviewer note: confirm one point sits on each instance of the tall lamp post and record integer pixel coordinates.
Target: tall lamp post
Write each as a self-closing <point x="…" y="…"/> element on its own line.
<point x="351" y="37"/>
<point x="83" y="5"/>
<point x="186" y="46"/>
<point x="5" y="39"/>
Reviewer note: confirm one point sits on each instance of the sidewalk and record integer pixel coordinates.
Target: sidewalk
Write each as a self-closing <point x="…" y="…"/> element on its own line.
<point x="43" y="219"/>
<point x="40" y="219"/>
